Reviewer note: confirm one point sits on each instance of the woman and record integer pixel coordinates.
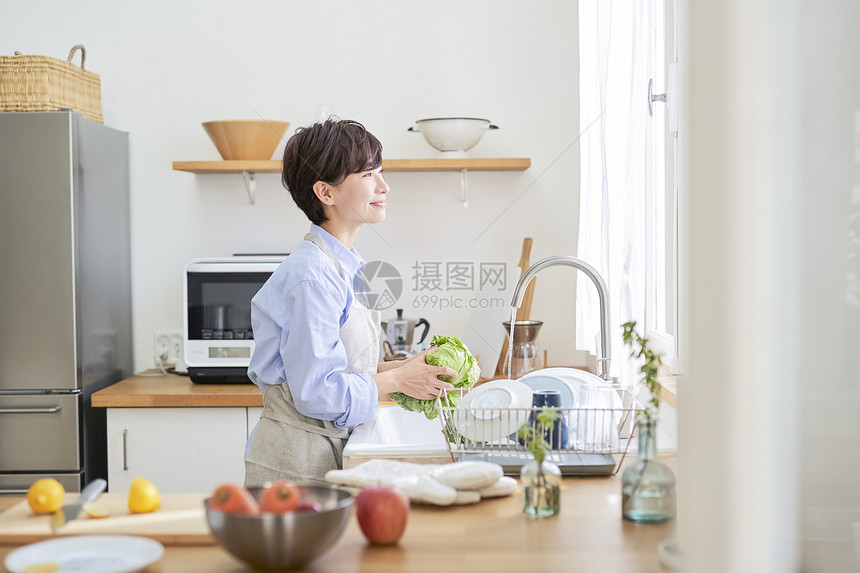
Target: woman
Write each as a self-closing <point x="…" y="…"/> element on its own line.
<point x="317" y="345"/>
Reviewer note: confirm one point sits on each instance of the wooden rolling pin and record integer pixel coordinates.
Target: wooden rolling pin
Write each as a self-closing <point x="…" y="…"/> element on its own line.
<point x="525" y="308"/>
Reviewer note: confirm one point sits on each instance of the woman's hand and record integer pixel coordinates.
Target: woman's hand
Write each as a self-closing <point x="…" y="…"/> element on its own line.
<point x="414" y="377"/>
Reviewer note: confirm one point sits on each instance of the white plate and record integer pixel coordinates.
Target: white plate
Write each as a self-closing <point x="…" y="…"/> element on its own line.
<point x="593" y="391"/>
<point x="569" y="395"/>
<point x="88" y="554"/>
<point x="485" y="414"/>
<point x="594" y="426"/>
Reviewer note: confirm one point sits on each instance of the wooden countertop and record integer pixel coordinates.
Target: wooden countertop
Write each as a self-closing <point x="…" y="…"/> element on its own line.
<point x="174" y="391"/>
<point x="493" y="536"/>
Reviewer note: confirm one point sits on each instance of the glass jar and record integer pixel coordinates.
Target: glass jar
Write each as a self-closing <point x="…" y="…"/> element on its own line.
<point x="541" y="485"/>
<point x="648" y="486"/>
<point x="524" y="355"/>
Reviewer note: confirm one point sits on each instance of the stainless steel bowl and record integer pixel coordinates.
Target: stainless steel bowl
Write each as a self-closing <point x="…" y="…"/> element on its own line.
<point x="283" y="541"/>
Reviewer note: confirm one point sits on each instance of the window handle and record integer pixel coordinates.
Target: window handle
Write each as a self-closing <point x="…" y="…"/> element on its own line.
<point x="652" y="97"/>
<point x="670" y="97"/>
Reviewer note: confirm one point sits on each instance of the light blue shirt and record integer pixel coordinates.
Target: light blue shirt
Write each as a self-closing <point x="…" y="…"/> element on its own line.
<point x="296" y="317"/>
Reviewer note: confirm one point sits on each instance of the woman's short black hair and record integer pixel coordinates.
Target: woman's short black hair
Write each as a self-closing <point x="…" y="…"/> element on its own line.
<point x="327" y="151"/>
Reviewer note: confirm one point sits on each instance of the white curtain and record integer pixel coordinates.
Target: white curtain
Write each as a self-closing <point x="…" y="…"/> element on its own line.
<point x="614" y="71"/>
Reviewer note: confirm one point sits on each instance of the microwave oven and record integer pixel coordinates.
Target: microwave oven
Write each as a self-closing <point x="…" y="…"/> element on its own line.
<point x="219" y="340"/>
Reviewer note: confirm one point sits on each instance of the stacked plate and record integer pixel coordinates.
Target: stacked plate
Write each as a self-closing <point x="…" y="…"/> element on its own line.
<point x="596" y="406"/>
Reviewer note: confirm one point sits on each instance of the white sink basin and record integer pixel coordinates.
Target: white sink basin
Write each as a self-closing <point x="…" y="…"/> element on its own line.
<point x="397" y="434"/>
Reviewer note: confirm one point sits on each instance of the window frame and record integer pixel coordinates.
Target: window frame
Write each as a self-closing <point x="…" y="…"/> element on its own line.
<point x="664" y="195"/>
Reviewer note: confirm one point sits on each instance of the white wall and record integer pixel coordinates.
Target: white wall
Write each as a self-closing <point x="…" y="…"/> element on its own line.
<point x="168" y="66"/>
<point x="769" y="442"/>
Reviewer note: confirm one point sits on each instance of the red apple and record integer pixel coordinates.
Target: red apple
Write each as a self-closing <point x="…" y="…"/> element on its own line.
<point x="382" y="513"/>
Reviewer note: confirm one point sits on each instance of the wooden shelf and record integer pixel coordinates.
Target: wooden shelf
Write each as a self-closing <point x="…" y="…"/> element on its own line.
<point x="256" y="166"/>
<point x="429" y="164"/>
<point x="456" y="164"/>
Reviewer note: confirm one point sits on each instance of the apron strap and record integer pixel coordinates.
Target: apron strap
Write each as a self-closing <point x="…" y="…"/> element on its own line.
<point x="324" y="248"/>
<point x="360" y="294"/>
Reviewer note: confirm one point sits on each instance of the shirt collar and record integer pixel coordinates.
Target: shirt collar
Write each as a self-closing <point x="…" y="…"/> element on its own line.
<point x="349" y="258"/>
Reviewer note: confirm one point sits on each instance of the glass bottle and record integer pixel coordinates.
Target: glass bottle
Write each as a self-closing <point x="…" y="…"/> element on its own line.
<point x="525" y="356"/>
<point x="541" y="483"/>
<point x="648" y="485"/>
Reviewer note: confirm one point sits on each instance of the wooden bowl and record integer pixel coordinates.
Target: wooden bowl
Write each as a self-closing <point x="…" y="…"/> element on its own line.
<point x="246" y="139"/>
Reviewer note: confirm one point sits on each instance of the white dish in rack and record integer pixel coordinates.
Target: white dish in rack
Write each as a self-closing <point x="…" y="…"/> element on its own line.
<point x="493" y="411"/>
<point x="595" y="422"/>
<point x="568" y="390"/>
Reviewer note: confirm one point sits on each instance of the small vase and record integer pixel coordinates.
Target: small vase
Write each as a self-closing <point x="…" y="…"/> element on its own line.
<point x="541" y="489"/>
<point x="648" y="486"/>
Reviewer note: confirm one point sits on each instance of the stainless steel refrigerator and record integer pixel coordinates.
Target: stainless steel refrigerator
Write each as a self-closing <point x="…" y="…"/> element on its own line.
<point x="65" y="293"/>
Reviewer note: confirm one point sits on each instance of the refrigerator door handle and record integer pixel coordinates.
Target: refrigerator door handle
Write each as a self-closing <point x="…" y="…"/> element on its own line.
<point x="51" y="410"/>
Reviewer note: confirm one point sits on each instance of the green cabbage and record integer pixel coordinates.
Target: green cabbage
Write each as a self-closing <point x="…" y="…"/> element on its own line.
<point x="453" y="353"/>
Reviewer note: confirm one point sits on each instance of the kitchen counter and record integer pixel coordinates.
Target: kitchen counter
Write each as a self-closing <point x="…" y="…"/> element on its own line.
<point x="174" y="391"/>
<point x="493" y="536"/>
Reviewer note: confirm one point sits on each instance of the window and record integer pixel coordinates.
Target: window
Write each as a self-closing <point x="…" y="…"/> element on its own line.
<point x="628" y="224"/>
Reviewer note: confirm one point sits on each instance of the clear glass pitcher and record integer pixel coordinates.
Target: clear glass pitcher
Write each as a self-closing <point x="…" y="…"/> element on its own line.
<point x="526" y="355"/>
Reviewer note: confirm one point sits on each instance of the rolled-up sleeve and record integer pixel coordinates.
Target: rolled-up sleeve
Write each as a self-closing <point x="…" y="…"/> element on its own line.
<point x="314" y="358"/>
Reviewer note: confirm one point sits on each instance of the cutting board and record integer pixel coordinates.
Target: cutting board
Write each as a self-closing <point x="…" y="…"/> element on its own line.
<point x="181" y="520"/>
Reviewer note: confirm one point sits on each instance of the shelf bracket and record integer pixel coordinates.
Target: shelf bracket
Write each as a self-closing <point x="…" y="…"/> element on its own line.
<point x="250" y="184"/>
<point x="464" y="187"/>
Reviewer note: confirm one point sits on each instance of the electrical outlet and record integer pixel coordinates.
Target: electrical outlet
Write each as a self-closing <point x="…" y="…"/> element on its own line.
<point x="177" y="342"/>
<point x="168" y="347"/>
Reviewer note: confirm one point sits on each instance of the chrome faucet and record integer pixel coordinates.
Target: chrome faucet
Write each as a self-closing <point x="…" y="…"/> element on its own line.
<point x="602" y="291"/>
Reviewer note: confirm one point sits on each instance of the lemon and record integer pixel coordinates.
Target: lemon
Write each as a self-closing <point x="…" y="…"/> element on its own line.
<point x="95" y="510"/>
<point x="143" y="496"/>
<point x="46" y="495"/>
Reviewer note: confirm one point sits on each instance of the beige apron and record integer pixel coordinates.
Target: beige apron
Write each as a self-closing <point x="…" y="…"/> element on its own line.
<point x="288" y="445"/>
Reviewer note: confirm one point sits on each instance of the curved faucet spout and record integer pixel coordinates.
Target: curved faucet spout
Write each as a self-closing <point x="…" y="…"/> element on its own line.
<point x="602" y="292"/>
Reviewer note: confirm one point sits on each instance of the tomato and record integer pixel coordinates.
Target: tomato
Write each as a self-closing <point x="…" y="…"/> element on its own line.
<point x="279" y="497"/>
<point x="232" y="498"/>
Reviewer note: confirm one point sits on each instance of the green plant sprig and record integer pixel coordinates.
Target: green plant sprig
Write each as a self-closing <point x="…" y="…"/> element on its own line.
<point x="650" y="367"/>
<point x="533" y="437"/>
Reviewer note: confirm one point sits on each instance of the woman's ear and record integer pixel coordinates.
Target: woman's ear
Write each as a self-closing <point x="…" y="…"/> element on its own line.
<point x="323" y="191"/>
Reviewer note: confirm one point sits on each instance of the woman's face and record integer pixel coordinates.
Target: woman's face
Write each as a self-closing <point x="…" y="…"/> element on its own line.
<point x="360" y="198"/>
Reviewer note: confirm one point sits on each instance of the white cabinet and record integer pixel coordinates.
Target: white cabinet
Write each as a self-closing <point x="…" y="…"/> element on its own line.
<point x="181" y="450"/>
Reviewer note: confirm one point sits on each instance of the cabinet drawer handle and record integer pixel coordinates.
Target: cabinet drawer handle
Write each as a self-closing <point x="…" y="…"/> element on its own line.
<point x="51" y="410"/>
<point x="125" y="450"/>
<point x="13" y="491"/>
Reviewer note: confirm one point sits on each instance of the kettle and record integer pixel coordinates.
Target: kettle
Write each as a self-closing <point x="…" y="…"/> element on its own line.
<point x="399" y="331"/>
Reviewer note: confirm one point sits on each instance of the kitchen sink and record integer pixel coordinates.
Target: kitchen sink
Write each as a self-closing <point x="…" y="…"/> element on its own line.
<point x="399" y="435"/>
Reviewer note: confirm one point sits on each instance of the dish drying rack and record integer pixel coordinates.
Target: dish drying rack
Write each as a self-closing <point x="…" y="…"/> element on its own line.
<point x="595" y="435"/>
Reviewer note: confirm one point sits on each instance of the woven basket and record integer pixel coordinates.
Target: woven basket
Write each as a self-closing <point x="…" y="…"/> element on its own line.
<point x="42" y="83"/>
